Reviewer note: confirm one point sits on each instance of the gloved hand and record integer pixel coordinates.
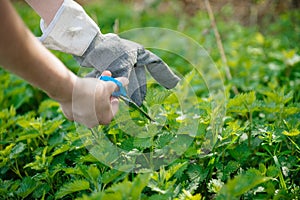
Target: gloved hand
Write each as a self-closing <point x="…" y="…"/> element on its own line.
<point x="73" y="31"/>
<point x="125" y="58"/>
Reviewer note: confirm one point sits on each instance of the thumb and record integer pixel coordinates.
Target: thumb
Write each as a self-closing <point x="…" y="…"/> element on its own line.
<point x="112" y="87"/>
<point x="123" y="80"/>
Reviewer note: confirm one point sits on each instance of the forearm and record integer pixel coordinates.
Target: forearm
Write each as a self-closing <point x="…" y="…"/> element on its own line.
<point x="46" y="8"/>
<point x="22" y="54"/>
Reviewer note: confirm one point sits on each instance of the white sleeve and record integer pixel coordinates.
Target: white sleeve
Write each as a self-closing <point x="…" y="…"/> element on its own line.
<point x="71" y="30"/>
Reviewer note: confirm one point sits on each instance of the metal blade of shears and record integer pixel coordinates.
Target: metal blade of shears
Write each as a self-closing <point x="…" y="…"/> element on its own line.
<point x="121" y="93"/>
<point x="134" y="105"/>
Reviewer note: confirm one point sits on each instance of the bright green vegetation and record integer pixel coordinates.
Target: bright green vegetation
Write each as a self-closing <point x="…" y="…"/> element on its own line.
<point x="256" y="154"/>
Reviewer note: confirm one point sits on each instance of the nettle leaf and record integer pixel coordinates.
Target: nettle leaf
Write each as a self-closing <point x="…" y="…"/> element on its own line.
<point x="111" y="176"/>
<point x="278" y="96"/>
<point x="5" y="186"/>
<point x="74" y="171"/>
<point x="41" y="190"/>
<point x="241" y="184"/>
<point x="27" y="186"/>
<point x="41" y="161"/>
<point x="164" y="139"/>
<point x="180" y="172"/>
<point x="63" y="148"/>
<point x="156" y="95"/>
<point x="196" y="172"/>
<point x="7" y="117"/>
<point x="240" y="153"/>
<point x="5" y="152"/>
<point x="262" y="168"/>
<point x="72" y="187"/>
<point x="36" y="124"/>
<point x="123" y="190"/>
<point x="291" y="110"/>
<point x="20" y="147"/>
<point x="231" y="167"/>
<point x="293" y="132"/>
<point x="49" y="108"/>
<point x="138" y="184"/>
<point x="272" y="171"/>
<point x="173" y="170"/>
<point x="241" y="102"/>
<point x="143" y="143"/>
<point x="50" y="126"/>
<point x="94" y="173"/>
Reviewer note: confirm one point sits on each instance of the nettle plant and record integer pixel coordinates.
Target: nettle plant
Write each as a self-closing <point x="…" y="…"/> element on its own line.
<point x="250" y="152"/>
<point x="256" y="155"/>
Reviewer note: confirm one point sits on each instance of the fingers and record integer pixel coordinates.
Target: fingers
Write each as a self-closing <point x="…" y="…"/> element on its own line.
<point x="160" y="71"/>
<point x="113" y="102"/>
<point x="92" y="102"/>
<point x="123" y="80"/>
<point x="112" y="87"/>
<point x="114" y="105"/>
<point x="106" y="73"/>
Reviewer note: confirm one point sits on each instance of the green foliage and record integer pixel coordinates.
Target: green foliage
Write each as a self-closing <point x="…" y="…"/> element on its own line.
<point x="254" y="155"/>
<point x="241" y="184"/>
<point x="69" y="188"/>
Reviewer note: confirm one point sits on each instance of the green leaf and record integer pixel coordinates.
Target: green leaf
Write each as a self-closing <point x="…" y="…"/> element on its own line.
<point x="240" y="153"/>
<point x="293" y="132"/>
<point x="142" y="142"/>
<point x="49" y="108"/>
<point x="242" y="102"/>
<point x="94" y="173"/>
<point x="173" y="170"/>
<point x="110" y="176"/>
<point x="63" y="148"/>
<point x="41" y="190"/>
<point x="30" y="124"/>
<point x="196" y="172"/>
<point x="5" y="186"/>
<point x="50" y="126"/>
<point x="126" y="189"/>
<point x="72" y="187"/>
<point x="27" y="186"/>
<point x="241" y="184"/>
<point x="139" y="183"/>
<point x="17" y="149"/>
<point x="272" y="171"/>
<point x="231" y="167"/>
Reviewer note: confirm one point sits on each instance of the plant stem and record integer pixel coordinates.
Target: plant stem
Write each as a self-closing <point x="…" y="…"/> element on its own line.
<point x="219" y="43"/>
<point x="16" y="169"/>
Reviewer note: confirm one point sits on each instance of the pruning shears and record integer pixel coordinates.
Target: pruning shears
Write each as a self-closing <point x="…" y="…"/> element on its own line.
<point x="122" y="94"/>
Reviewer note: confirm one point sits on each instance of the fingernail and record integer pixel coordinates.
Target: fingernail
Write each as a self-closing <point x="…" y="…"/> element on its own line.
<point x="114" y="105"/>
<point x="106" y="73"/>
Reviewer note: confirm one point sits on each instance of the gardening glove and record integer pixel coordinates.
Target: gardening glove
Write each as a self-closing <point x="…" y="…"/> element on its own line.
<point x="73" y="31"/>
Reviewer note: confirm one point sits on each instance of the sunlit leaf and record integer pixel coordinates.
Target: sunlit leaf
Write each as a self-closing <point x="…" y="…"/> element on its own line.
<point x="293" y="132"/>
<point x="71" y="187"/>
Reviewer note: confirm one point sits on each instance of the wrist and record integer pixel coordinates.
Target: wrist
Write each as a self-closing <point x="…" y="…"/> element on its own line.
<point x="62" y="90"/>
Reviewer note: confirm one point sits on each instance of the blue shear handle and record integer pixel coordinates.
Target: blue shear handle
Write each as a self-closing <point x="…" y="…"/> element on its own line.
<point x="121" y="91"/>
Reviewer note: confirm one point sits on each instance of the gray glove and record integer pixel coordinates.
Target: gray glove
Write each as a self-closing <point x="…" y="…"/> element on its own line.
<point x="73" y="31"/>
<point x="128" y="59"/>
